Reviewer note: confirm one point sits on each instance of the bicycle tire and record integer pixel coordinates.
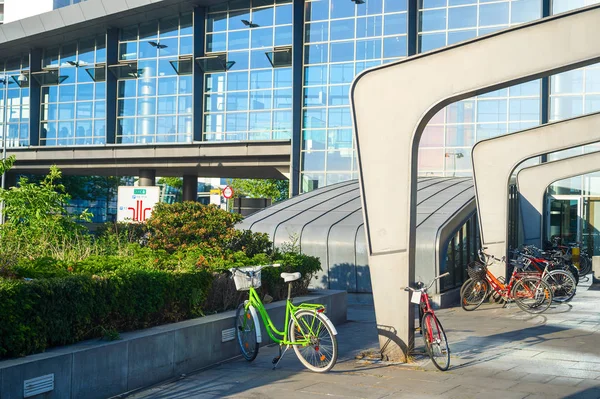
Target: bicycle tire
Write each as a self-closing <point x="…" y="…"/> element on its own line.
<point x="438" y="350"/>
<point x="532" y="294"/>
<point x="563" y="285"/>
<point x="321" y="355"/>
<point x="585" y="265"/>
<point x="473" y="293"/>
<point x="245" y="330"/>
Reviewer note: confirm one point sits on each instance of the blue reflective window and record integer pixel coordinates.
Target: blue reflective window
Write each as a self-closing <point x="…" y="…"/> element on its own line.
<point x="592" y="104"/>
<point x="185" y="105"/>
<point x="493" y="14"/>
<point x="368" y="49"/>
<point x="261" y="79"/>
<point x="100" y="109"/>
<point x="394" y="47"/>
<point x="282" y="98"/>
<point x="127" y="88"/>
<point x="316" y="32"/>
<point x="339" y="95"/>
<point x="370" y="7"/>
<point x="339" y="117"/>
<point x="260" y="121"/>
<point x="283" y="77"/>
<point x="395" y="24"/>
<point x="49" y="94"/>
<point x="462" y="17"/>
<point x="258" y="59"/>
<point x="85" y="109"/>
<point x="568" y="82"/>
<point x="237" y="81"/>
<point x="185" y="85"/>
<point x="525" y="10"/>
<point x="315" y="53"/>
<point x="263" y="16"/>
<point x="433" y="20"/>
<point x="315" y="96"/>
<point x="526" y="89"/>
<point x="342" y="9"/>
<point x="186" y="45"/>
<point x="85" y="92"/>
<point x="69" y="74"/>
<point x="461" y="2"/>
<point x="314" y="118"/>
<point x="237" y="122"/>
<point x="343" y="29"/>
<point x="431" y="41"/>
<point x="342" y="51"/>
<point x="313" y="139"/>
<point x="460" y="36"/>
<point x="166" y="105"/>
<point x="491" y="111"/>
<point x="394" y="5"/>
<point x="282" y="120"/>
<point x="592" y="80"/>
<point x="216" y="22"/>
<point x="283" y="35"/>
<point x="240" y="60"/>
<point x="524" y="109"/>
<point x="147" y="87"/>
<point x="237" y="101"/>
<point x="432" y="3"/>
<point x="146" y="106"/>
<point x="369" y="26"/>
<point x="316" y="10"/>
<point x="216" y="42"/>
<point x="283" y="14"/>
<point x="261" y="38"/>
<point x="169" y="27"/>
<point x="313" y="160"/>
<point x="170" y="47"/>
<point x="261" y="99"/>
<point x="341" y="73"/>
<point x="66" y="93"/>
<point x="236" y="18"/>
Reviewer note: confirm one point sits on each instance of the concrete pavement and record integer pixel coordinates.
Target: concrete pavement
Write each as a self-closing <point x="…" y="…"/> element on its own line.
<point x="496" y="353"/>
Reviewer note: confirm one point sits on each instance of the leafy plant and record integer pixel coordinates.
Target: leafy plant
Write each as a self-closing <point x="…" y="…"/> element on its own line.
<point x="276" y="190"/>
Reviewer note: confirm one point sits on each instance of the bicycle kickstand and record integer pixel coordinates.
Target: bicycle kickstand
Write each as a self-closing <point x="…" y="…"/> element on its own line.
<point x="277" y="359"/>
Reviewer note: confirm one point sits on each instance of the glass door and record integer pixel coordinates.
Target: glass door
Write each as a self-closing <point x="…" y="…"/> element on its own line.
<point x="564" y="218"/>
<point x="591" y="224"/>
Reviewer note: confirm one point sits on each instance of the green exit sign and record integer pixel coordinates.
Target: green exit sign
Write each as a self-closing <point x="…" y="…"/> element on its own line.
<point x="141" y="191"/>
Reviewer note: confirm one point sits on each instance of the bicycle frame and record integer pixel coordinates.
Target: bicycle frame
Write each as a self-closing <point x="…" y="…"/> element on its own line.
<point x="277" y="336"/>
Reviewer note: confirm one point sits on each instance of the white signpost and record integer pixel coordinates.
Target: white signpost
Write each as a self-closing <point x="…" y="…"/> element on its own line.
<point x="135" y="204"/>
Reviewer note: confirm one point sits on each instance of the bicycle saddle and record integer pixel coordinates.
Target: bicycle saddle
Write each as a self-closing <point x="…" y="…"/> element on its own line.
<point x="289" y="277"/>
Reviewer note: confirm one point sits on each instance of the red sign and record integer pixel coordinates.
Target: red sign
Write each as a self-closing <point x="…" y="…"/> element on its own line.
<point x="228" y="192"/>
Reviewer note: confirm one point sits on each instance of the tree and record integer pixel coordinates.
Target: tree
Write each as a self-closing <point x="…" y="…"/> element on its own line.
<point x="175" y="182"/>
<point x="276" y="190"/>
<point x="6" y="164"/>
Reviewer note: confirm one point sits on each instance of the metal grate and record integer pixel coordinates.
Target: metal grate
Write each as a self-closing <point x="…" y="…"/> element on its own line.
<point x="38" y="385"/>
<point x="228" y="335"/>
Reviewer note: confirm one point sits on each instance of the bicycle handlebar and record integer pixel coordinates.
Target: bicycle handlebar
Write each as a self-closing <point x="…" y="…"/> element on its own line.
<point x="410" y="289"/>
<point x="250" y="272"/>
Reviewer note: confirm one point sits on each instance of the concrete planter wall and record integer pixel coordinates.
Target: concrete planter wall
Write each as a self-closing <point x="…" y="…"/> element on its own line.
<point x="99" y="369"/>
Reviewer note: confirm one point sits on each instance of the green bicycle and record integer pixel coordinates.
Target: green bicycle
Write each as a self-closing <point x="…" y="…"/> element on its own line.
<point x="306" y="328"/>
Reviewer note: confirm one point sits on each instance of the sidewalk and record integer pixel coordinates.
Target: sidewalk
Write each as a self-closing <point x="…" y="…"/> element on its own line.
<point x="496" y="353"/>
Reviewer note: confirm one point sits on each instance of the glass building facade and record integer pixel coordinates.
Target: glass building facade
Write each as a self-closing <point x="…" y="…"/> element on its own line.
<point x="275" y="69"/>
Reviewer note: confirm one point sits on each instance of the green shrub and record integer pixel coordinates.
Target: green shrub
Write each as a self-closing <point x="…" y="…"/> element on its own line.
<point x="185" y="224"/>
<point x="56" y="311"/>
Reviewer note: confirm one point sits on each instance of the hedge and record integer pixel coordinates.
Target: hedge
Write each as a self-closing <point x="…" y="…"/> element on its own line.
<point x="38" y="314"/>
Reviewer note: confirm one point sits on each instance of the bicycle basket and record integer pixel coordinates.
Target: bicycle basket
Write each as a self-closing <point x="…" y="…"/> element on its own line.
<point x="476" y="270"/>
<point x="242" y="281"/>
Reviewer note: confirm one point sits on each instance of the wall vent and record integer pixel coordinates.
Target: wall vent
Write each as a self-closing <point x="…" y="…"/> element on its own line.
<point x="228" y="335"/>
<point x="38" y="385"/>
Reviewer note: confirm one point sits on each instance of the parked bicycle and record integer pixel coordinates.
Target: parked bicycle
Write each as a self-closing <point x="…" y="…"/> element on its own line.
<point x="566" y="249"/>
<point x="527" y="290"/>
<point x="434" y="336"/>
<point x="307" y="329"/>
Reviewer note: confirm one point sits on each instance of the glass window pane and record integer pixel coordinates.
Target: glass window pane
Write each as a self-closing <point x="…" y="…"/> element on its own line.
<point x="66" y="93"/>
<point x="462" y="17"/>
<point x="315" y="75"/>
<point x="394" y="47"/>
<point x="166" y="125"/>
<point x="166" y="105"/>
<point x="341" y="73"/>
<point x="565" y="107"/>
<point x="315" y="96"/>
<point x="394" y="5"/>
<point x="370" y="7"/>
<point x="342" y="51"/>
<point x="592" y="80"/>
<point x="262" y="79"/>
<point x="146" y="106"/>
<point x="282" y="98"/>
<point x="167" y="86"/>
<point x="315" y="53"/>
<point x="342" y="9"/>
<point x="260" y="99"/>
<point x="263" y="16"/>
<point x="342" y="30"/>
<point x="433" y="20"/>
<point x="524" y="109"/>
<point x="260" y="121"/>
<point x="283" y="35"/>
<point x="261" y="38"/>
<point x="99" y="109"/>
<point x="216" y="22"/>
<point x="490" y="111"/>
<point x="395" y="24"/>
<point x="493" y="14"/>
<point x="339" y="95"/>
<point x="128" y="51"/>
<point x="126" y="107"/>
<point x="368" y="49"/>
<point x="216" y="42"/>
<point x="148" y="30"/>
<point x="85" y="92"/>
<point x="283" y="77"/>
<point x="239" y="40"/>
<point x="568" y="82"/>
<point x="84" y="109"/>
<point x="369" y="26"/>
<point x="316" y="10"/>
<point x="186" y="45"/>
<point x="339" y="117"/>
<point x="168" y="26"/>
<point x="460" y="135"/>
<point x="314" y="118"/>
<point x="147" y="87"/>
<point x="314" y="139"/>
<point x="460" y="36"/>
<point x="237" y="122"/>
<point x="49" y="94"/>
<point x="237" y="81"/>
<point x="431" y="42"/>
<point x="316" y="32"/>
<point x="240" y="58"/>
<point x="127" y="88"/>
<point x="237" y="101"/>
<point x="525" y="10"/>
<point x="258" y="59"/>
<point x="185" y="85"/>
<point x="313" y="160"/>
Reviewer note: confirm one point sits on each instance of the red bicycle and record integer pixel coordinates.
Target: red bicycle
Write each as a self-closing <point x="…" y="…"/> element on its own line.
<point x="434" y="336"/>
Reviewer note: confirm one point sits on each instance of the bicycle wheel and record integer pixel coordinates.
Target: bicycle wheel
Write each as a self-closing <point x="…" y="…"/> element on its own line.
<point x="436" y="343"/>
<point x="563" y="285"/>
<point x="473" y="293"/>
<point x="585" y="265"/>
<point x="532" y="294"/>
<point x="245" y="329"/>
<point x="320" y="353"/>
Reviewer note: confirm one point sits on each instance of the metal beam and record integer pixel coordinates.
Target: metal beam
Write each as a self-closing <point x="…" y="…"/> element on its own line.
<point x="392" y="105"/>
<point x="534" y="181"/>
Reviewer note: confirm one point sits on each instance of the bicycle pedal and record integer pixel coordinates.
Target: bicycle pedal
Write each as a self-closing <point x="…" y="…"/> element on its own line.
<point x="275" y="360"/>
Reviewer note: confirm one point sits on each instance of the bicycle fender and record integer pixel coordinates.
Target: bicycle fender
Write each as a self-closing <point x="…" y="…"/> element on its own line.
<point x="329" y="323"/>
<point x="256" y="324"/>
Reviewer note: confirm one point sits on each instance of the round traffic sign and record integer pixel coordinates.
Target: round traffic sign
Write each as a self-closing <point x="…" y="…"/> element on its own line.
<point x="228" y="192"/>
